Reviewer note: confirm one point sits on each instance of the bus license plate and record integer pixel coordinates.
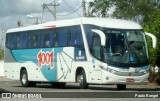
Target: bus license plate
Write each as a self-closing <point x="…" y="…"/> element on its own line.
<point x="130" y="80"/>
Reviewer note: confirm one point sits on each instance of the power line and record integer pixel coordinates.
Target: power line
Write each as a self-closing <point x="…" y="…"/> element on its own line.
<point x="54" y="5"/>
<point x="54" y="13"/>
<point x="50" y="11"/>
<point x="71" y="12"/>
<point x="71" y="7"/>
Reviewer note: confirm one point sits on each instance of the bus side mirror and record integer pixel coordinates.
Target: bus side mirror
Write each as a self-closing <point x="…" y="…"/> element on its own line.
<point x="102" y="36"/>
<point x="154" y="40"/>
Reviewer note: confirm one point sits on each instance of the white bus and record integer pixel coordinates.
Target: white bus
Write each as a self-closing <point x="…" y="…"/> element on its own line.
<point x="83" y="50"/>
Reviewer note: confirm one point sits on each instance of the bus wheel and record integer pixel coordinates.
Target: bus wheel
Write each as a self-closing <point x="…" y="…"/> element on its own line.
<point x="58" y="84"/>
<point x="121" y="86"/>
<point x="24" y="80"/>
<point x="81" y="78"/>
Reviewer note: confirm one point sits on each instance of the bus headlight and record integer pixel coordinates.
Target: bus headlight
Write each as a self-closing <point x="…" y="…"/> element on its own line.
<point x="109" y="70"/>
<point x="112" y="71"/>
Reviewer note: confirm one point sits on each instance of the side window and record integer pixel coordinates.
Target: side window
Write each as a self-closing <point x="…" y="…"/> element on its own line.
<point x="62" y="37"/>
<point x="55" y="38"/>
<point x="73" y="36"/>
<point x="22" y="40"/>
<point x="96" y="49"/>
<point x="34" y="40"/>
<point x="17" y="42"/>
<point x="11" y="41"/>
<point x="76" y="37"/>
<point x="51" y="38"/>
<point x="45" y="39"/>
<point x="88" y="33"/>
<point x="69" y="38"/>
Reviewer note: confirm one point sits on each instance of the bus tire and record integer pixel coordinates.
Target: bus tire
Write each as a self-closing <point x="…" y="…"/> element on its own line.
<point x="24" y="80"/>
<point x="121" y="86"/>
<point x="81" y="78"/>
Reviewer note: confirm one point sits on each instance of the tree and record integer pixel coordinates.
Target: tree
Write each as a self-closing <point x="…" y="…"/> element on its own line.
<point x="137" y="10"/>
<point x="99" y="8"/>
<point x="153" y="26"/>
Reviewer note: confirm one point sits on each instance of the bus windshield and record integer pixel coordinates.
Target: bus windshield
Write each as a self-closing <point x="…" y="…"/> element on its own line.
<point x="123" y="47"/>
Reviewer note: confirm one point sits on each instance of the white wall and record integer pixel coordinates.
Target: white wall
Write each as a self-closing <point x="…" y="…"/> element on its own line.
<point x="1" y="68"/>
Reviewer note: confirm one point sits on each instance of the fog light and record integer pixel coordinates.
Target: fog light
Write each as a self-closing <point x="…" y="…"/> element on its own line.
<point x="107" y="78"/>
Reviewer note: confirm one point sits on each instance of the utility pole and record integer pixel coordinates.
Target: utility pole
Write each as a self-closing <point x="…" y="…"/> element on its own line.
<point x="84" y="8"/>
<point x="54" y="5"/>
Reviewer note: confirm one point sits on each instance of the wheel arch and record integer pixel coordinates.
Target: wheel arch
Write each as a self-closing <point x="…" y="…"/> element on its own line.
<point x="28" y="83"/>
<point x="78" y="71"/>
<point x="22" y="68"/>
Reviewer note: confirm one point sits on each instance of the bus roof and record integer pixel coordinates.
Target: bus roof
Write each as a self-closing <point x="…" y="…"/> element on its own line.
<point x="102" y="22"/>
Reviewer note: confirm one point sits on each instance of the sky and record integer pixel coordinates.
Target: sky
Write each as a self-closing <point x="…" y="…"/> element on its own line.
<point x="12" y="10"/>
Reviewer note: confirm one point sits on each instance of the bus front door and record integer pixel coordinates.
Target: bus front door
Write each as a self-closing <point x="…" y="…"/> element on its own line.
<point x="95" y="72"/>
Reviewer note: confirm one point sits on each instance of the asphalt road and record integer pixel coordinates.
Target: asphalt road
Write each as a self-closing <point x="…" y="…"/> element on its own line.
<point x="71" y="92"/>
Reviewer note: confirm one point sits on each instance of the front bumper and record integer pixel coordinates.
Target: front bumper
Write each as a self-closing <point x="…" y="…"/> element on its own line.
<point x="109" y="78"/>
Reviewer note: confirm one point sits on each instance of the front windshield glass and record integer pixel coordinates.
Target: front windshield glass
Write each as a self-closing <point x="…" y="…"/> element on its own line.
<point x="116" y="47"/>
<point x="123" y="47"/>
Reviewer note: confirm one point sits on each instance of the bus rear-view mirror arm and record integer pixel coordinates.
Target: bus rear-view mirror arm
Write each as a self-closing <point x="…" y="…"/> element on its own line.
<point x="154" y="40"/>
<point x="102" y="36"/>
